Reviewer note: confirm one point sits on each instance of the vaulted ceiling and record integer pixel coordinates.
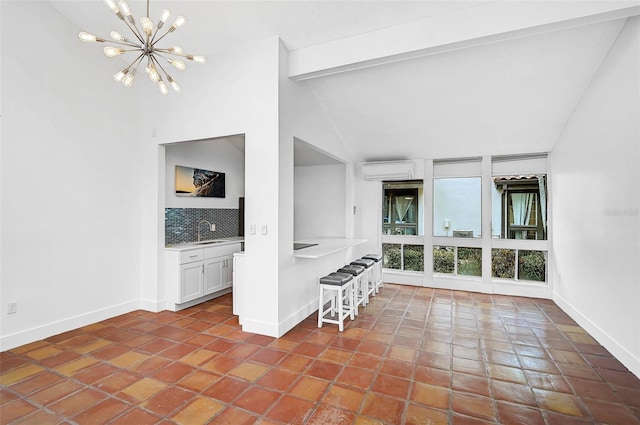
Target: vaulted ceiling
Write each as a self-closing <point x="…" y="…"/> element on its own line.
<point x="479" y="95"/>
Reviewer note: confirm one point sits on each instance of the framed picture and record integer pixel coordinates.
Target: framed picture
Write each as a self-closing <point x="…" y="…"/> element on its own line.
<point x="199" y="183"/>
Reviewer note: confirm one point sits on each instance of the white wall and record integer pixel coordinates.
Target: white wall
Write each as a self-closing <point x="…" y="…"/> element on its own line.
<point x="71" y="180"/>
<point x="301" y="116"/>
<point x="215" y="155"/>
<point x="319" y="201"/>
<point x="236" y="92"/>
<point x="595" y="203"/>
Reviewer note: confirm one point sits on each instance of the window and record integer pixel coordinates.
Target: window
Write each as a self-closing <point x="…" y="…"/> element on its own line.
<point x="402" y="208"/>
<point x="531" y="265"/>
<point x="457" y="207"/>
<point x="457" y="261"/>
<point x="403" y="257"/>
<point x="521" y="201"/>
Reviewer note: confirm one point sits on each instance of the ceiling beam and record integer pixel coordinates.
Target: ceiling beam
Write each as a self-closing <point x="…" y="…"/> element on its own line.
<point x="482" y="24"/>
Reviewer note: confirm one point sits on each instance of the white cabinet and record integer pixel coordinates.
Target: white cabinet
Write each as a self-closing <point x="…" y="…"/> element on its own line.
<point x="191" y="281"/>
<point x="218" y="274"/>
<point x="212" y="275"/>
<point x="195" y="274"/>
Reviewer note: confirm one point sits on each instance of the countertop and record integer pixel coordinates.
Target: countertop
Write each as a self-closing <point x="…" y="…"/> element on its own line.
<point x="204" y="244"/>
<point x="325" y="246"/>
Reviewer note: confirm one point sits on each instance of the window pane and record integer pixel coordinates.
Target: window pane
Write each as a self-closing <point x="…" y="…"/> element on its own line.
<point x="443" y="259"/>
<point x="413" y="258"/>
<point x="402" y="208"/>
<point x="531" y="265"/>
<point x="457" y="207"/>
<point x="503" y="263"/>
<point x="470" y="261"/>
<point x="519" y="207"/>
<point x="391" y="258"/>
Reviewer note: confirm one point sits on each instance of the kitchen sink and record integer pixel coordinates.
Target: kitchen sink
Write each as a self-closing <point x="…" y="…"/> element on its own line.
<point x="209" y="242"/>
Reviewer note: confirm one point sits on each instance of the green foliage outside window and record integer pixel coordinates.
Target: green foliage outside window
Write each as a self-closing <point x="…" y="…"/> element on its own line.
<point x="443" y="259"/>
<point x="391" y="258"/>
<point x="531" y="265"/>
<point x="503" y="263"/>
<point x="414" y="258"/>
<point x="470" y="261"/>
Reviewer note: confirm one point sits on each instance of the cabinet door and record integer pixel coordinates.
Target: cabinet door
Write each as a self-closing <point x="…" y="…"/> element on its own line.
<point x="190" y="281"/>
<point x="213" y="275"/>
<point x="227" y="272"/>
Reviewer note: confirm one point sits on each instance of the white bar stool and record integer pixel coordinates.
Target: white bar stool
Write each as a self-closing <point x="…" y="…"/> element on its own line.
<point x="340" y="287"/>
<point x="377" y="270"/>
<point x="370" y="282"/>
<point x="359" y="284"/>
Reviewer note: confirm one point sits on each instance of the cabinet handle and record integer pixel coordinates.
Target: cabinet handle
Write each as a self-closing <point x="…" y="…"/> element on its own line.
<point x="203" y="269"/>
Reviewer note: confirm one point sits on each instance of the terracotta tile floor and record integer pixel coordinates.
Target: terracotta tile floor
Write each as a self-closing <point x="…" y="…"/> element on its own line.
<point x="413" y="356"/>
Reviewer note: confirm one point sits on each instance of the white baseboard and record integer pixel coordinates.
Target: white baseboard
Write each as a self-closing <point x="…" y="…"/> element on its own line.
<point x="153" y="306"/>
<point x="403" y="278"/>
<point x="297" y="316"/>
<point x="37" y="333"/>
<point x="260" y="327"/>
<point x="627" y="358"/>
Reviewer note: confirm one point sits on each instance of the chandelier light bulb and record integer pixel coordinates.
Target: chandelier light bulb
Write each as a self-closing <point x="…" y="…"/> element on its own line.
<point x="153" y="74"/>
<point x="176" y="49"/>
<point x="127" y="81"/>
<point x="163" y="88"/>
<point x="164" y="15"/>
<point x="124" y="6"/>
<point x="173" y="84"/>
<point x="112" y="52"/>
<point x="119" y="76"/>
<point x="115" y="35"/>
<point x="199" y="59"/>
<point x="178" y="64"/>
<point x="87" y="37"/>
<point x="147" y="25"/>
<point x="112" y="5"/>
<point x="180" y="21"/>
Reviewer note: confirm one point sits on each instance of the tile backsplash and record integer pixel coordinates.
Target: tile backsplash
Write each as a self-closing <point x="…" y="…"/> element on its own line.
<point x="181" y="224"/>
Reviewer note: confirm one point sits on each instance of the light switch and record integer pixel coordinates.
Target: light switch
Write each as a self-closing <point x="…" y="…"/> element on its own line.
<point x="264" y="229"/>
<point x="252" y="229"/>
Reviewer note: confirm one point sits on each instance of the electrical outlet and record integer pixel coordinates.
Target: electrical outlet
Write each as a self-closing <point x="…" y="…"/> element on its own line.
<point x="264" y="229"/>
<point x="213" y="227"/>
<point x="12" y="307"/>
<point x="252" y="229"/>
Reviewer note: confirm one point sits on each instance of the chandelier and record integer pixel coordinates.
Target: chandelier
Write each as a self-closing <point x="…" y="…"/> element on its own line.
<point x="144" y="44"/>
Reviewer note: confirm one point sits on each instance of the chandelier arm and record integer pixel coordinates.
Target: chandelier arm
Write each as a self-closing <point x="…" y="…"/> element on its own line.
<point x="134" y="29"/>
<point x="166" y="74"/>
<point x="137" y="49"/>
<point x="183" y="55"/>
<point x="136" y="62"/>
<point x="163" y="36"/>
<point x="124" y="43"/>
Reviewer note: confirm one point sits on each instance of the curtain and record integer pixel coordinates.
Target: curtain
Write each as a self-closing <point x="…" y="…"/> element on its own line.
<point x="543" y="201"/>
<point x="402" y="205"/>
<point x="521" y="204"/>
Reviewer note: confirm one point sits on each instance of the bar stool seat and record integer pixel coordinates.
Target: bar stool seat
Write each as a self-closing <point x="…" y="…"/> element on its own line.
<point x="359" y="285"/>
<point x="377" y="270"/>
<point x="370" y="282"/>
<point x="340" y="288"/>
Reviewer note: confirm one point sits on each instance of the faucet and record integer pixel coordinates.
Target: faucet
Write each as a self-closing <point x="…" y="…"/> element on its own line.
<point x="212" y="227"/>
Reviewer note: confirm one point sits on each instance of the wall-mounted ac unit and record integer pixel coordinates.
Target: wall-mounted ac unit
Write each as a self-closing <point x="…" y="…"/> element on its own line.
<point x="387" y="170"/>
